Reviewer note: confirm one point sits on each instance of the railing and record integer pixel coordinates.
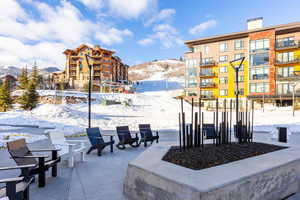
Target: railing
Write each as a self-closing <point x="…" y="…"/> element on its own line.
<point x="209" y="63"/>
<point x="207" y="96"/>
<point x="289" y="77"/>
<point x="289" y="61"/>
<point x="207" y="85"/>
<point x="259" y="77"/>
<point x="287" y="45"/>
<point x="207" y="74"/>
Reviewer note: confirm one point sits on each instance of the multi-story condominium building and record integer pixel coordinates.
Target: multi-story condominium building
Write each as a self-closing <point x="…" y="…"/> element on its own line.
<point x="272" y="58"/>
<point x="107" y="69"/>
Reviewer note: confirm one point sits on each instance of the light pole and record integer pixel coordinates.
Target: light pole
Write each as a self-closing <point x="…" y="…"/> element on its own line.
<point x="236" y="69"/>
<point x="90" y="88"/>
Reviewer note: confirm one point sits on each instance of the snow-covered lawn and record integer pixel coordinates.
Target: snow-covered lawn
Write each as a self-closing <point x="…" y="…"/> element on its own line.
<point x="153" y="104"/>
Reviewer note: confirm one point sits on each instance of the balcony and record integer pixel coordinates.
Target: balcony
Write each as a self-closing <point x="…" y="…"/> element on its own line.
<point x="207" y="85"/>
<point x="259" y="77"/>
<point x="290" y="77"/>
<point x="287" y="45"/>
<point x="207" y="96"/>
<point x="287" y="62"/>
<point x="208" y="64"/>
<point x="207" y="74"/>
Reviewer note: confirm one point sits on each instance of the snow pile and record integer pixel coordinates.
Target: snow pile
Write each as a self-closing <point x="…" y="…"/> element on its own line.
<point x="11" y="136"/>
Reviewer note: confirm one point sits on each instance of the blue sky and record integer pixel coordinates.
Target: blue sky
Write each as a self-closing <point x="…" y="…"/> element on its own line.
<point x="138" y="30"/>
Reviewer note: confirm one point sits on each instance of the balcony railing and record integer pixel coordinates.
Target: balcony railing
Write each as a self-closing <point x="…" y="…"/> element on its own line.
<point x="208" y="64"/>
<point x="289" y="61"/>
<point x="259" y="77"/>
<point x="207" y="85"/>
<point x="207" y="74"/>
<point x="289" y="77"/>
<point x="207" y="96"/>
<point x="287" y="45"/>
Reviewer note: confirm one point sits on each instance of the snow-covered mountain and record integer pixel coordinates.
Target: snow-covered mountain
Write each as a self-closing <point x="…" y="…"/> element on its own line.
<point x="15" y="71"/>
<point x="169" y="68"/>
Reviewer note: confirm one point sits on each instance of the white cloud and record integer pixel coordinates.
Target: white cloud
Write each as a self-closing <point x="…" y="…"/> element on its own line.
<point x="166" y="34"/>
<point x="115" y="35"/>
<point x="14" y="52"/>
<point x="130" y="9"/>
<point x="92" y="4"/>
<point x="200" y="28"/>
<point x="164" y="15"/>
<point x="59" y="27"/>
<point x="146" y="41"/>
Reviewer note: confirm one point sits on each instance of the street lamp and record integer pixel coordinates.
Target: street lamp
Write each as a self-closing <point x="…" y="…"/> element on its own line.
<point x="236" y="68"/>
<point x="90" y="87"/>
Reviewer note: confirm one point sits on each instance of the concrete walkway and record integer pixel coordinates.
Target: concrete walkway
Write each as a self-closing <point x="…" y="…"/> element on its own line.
<point x="98" y="178"/>
<point x="95" y="179"/>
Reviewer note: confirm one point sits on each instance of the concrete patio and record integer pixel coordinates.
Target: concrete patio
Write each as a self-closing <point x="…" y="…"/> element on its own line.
<point x="95" y="179"/>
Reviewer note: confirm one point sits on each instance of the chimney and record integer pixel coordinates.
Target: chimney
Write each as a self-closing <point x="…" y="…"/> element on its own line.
<point x="255" y="23"/>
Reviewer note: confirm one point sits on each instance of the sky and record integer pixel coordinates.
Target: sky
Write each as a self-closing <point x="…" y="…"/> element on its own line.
<point x="138" y="30"/>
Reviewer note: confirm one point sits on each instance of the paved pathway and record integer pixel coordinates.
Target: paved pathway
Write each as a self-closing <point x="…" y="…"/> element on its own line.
<point x="95" y="179"/>
<point x="98" y="178"/>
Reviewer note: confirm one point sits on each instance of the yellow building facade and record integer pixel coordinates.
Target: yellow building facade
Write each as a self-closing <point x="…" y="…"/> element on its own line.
<point x="270" y="69"/>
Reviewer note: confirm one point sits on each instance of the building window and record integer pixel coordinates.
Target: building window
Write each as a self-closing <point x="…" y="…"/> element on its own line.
<point x="285" y="42"/>
<point x="223" y="92"/>
<point x="223" y="69"/>
<point x="223" y="58"/>
<point x="191" y="63"/>
<point x="238" y="44"/>
<point x="191" y="72"/>
<point x="285" y="57"/>
<point x="259" y="87"/>
<point x="284" y="88"/>
<point x="206" y="71"/>
<point x="238" y="55"/>
<point x="223" y="80"/>
<point x="283" y="72"/>
<point x="223" y="46"/>
<point x="191" y="82"/>
<point x="192" y="93"/>
<point x="207" y="60"/>
<point x="206" y="93"/>
<point x="205" y="49"/>
<point x="259" y="59"/>
<point x="259" y="45"/>
<point x="259" y="73"/>
<point x="240" y="79"/>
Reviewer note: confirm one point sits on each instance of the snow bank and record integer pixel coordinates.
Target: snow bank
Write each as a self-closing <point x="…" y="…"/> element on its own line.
<point x="11" y="136"/>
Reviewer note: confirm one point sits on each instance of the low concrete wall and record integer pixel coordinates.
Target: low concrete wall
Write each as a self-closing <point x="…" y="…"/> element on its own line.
<point x="270" y="176"/>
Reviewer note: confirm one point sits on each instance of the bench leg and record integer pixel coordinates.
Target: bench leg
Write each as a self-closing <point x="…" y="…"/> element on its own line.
<point x="54" y="168"/>
<point x="145" y="143"/>
<point x="112" y="144"/>
<point x="42" y="173"/>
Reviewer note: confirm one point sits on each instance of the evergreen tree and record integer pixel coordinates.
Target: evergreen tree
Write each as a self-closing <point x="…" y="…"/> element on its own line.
<point x="29" y="99"/>
<point x="23" y="79"/>
<point x="34" y="76"/>
<point x="5" y="98"/>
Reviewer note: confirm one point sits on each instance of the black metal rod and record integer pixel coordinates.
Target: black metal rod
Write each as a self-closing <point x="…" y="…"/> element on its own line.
<point x="200" y="126"/>
<point x="230" y="120"/>
<point x="179" y="131"/>
<point x="183" y="130"/>
<point x="90" y="91"/>
<point x="252" y="120"/>
<point x="202" y="138"/>
<point x="181" y="105"/>
<point x="217" y="121"/>
<point x="196" y="130"/>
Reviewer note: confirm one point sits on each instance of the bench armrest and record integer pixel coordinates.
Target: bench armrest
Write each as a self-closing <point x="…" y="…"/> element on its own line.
<point x="44" y="150"/>
<point x="16" y="167"/>
<point x="7" y="180"/>
<point x="36" y="156"/>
